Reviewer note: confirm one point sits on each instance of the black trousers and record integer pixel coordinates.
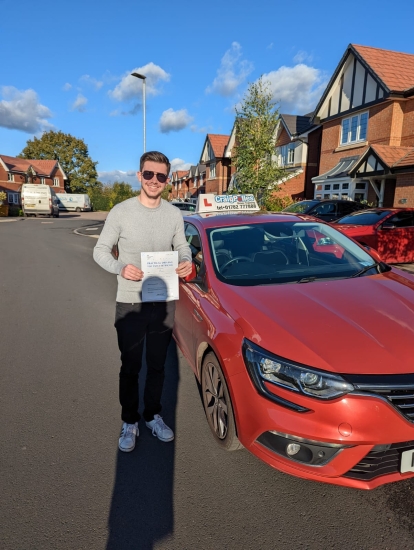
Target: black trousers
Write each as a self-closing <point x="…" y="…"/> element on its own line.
<point x="134" y="323"/>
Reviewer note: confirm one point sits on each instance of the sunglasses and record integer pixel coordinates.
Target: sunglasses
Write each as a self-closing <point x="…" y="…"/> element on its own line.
<point x="148" y="175"/>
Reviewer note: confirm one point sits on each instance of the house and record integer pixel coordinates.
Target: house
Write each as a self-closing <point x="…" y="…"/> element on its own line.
<point x="178" y="183"/>
<point x="291" y="152"/>
<point x="217" y="164"/>
<point x="16" y="171"/>
<point x="365" y="121"/>
<point x="188" y="183"/>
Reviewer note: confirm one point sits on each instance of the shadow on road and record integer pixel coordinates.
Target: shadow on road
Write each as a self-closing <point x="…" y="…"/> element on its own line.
<point x="142" y="500"/>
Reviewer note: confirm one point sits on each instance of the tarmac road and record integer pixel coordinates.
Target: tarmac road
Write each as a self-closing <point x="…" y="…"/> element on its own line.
<point x="65" y="486"/>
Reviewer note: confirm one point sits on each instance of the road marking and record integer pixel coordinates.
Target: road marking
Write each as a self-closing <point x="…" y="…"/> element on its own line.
<point x="46" y="222"/>
<point x="6" y="221"/>
<point x="90" y="229"/>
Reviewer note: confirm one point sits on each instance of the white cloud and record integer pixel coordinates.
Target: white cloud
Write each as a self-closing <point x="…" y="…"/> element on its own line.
<point x="129" y="176"/>
<point x="87" y="79"/>
<point x="179" y="164"/>
<point x="232" y="72"/>
<point x="303" y="56"/>
<point x="67" y="87"/>
<point x="130" y="87"/>
<point x="174" y="121"/>
<point x="79" y="103"/>
<point x="297" y="88"/>
<point x="22" y="111"/>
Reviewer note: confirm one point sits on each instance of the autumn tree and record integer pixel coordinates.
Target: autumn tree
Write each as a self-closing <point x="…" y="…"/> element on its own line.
<point x="257" y="170"/>
<point x="72" y="154"/>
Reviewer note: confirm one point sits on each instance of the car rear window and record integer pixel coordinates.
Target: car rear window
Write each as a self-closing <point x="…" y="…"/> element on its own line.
<point x="365" y="217"/>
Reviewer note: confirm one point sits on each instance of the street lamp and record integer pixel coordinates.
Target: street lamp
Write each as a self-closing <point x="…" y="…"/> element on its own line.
<point x="143" y="78"/>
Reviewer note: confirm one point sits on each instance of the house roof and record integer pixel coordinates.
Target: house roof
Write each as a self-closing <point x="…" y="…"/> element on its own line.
<point x="395" y="69"/>
<point x="392" y="155"/>
<point x="341" y="170"/>
<point x="218" y="143"/>
<point x="181" y="173"/>
<point x="41" y="167"/>
<point x="297" y="124"/>
<point x="383" y="158"/>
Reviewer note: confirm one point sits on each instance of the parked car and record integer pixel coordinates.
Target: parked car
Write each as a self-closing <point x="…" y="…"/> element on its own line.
<point x="185" y="206"/>
<point x="326" y="210"/>
<point x="301" y="341"/>
<point x="38" y="199"/>
<point x="390" y="231"/>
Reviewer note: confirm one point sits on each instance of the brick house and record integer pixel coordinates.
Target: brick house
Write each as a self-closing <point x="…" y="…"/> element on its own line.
<point x="188" y="183"/>
<point x="15" y="171"/>
<point x="291" y="152"/>
<point x="218" y="165"/>
<point x="178" y="184"/>
<point x="365" y="136"/>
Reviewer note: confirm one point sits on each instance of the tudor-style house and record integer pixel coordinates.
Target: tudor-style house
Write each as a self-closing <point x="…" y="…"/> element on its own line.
<point x="218" y="165"/>
<point x="292" y="152"/>
<point x="16" y="171"/>
<point x="367" y="139"/>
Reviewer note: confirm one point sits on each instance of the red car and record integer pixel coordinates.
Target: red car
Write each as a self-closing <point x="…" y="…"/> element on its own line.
<point x="303" y="345"/>
<point x="390" y="231"/>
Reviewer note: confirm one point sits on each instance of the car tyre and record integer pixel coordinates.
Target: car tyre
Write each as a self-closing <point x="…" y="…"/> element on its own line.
<point x="78" y="210"/>
<point x="217" y="404"/>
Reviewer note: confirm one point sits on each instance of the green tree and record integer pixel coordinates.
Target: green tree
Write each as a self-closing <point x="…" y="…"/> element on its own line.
<point x="106" y="196"/>
<point x="254" y="154"/>
<point x="167" y="190"/>
<point x="72" y="154"/>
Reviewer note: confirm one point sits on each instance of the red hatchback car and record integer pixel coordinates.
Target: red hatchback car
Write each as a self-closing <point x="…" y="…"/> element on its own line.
<point x="390" y="231"/>
<point x="303" y="346"/>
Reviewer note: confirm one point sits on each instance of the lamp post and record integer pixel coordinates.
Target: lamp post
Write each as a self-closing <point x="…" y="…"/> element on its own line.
<point x="143" y="78"/>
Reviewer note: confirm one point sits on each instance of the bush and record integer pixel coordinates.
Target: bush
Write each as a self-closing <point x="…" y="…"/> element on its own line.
<point x="277" y="202"/>
<point x="15" y="211"/>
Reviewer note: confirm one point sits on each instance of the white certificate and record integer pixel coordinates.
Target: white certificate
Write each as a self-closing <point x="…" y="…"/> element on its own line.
<point x="160" y="282"/>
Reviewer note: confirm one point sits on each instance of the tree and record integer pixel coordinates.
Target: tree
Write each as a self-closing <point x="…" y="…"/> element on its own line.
<point x="256" y="168"/>
<point x="72" y="154"/>
<point x="106" y="196"/>
<point x="166" y="193"/>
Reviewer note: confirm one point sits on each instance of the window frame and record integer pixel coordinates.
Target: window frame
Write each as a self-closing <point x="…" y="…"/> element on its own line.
<point x="10" y="177"/>
<point x="358" y="138"/>
<point x="56" y="182"/>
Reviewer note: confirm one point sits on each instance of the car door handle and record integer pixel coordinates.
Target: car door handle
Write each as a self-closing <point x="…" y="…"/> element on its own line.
<point x="197" y="316"/>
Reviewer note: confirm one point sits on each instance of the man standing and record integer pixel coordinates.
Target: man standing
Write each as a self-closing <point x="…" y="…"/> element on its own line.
<point x="145" y="223"/>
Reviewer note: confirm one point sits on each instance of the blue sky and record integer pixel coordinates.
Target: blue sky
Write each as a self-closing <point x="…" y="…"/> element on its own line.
<point x="65" y="66"/>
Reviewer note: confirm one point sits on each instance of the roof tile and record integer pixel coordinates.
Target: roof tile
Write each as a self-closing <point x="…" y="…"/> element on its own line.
<point x="395" y="69"/>
<point x="218" y="143"/>
<point x="41" y="167"/>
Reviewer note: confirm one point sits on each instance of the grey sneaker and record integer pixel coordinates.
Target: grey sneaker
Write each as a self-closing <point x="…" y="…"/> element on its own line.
<point x="160" y="429"/>
<point x="129" y="433"/>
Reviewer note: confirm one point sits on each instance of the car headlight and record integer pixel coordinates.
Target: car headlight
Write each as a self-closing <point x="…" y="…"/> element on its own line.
<point x="263" y="365"/>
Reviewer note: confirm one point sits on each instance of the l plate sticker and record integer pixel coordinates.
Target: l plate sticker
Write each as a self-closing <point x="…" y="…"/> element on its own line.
<point x="407" y="461"/>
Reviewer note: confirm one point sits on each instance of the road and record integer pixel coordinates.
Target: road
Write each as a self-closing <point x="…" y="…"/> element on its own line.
<point x="65" y="486"/>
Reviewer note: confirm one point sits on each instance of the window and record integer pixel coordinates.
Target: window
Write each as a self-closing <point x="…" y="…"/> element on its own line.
<point x="291" y="154"/>
<point x="56" y="182"/>
<point x="354" y="129"/>
<point x="283" y="155"/>
<point x="43" y="181"/>
<point x="194" y="241"/>
<point x="195" y="182"/>
<point x="10" y="177"/>
<point x="402" y="219"/>
<point x="13" y="198"/>
<point x="327" y="187"/>
<point x="212" y="170"/>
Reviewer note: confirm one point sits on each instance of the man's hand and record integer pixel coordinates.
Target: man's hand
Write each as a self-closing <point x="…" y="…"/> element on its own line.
<point x="132" y="273"/>
<point x="184" y="269"/>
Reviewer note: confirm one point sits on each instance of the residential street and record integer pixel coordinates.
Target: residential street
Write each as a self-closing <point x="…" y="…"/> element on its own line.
<point x="64" y="483"/>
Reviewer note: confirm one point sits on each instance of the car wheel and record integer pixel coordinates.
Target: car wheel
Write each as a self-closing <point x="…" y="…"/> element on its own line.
<point x="217" y="404"/>
<point x="78" y="210"/>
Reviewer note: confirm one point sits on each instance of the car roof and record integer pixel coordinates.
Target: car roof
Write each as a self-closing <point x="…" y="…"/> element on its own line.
<point x="227" y="219"/>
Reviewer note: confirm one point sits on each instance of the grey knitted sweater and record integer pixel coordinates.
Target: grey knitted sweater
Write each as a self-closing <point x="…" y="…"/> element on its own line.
<point x="135" y="229"/>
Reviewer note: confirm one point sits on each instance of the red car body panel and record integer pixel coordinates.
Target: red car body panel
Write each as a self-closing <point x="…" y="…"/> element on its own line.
<point x="354" y="326"/>
<point x="394" y="245"/>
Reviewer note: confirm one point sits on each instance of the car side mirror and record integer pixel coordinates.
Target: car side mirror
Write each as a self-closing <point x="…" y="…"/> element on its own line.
<point x="387" y="225"/>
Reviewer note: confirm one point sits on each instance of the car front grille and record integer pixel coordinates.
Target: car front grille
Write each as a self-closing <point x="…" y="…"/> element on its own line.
<point x="398" y="390"/>
<point x="379" y="463"/>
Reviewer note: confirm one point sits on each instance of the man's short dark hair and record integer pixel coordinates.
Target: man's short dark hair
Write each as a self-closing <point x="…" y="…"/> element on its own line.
<point x="154" y="156"/>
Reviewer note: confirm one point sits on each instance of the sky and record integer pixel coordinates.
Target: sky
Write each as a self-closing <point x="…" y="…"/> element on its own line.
<point x="66" y="66"/>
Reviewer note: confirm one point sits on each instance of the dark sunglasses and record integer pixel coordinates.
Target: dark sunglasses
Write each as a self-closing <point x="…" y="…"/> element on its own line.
<point x="148" y="175"/>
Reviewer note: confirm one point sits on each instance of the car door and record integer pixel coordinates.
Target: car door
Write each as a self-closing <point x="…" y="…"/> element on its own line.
<point x="188" y="310"/>
<point x="396" y="238"/>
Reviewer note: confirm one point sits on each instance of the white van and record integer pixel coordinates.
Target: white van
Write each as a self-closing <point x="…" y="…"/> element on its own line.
<point x="39" y="199"/>
<point x="74" y="203"/>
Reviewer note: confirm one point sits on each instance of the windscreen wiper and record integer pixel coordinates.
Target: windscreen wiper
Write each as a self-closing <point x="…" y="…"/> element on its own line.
<point x="364" y="270"/>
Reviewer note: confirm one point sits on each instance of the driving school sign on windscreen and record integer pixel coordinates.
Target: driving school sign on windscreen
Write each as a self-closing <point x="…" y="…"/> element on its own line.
<point x="226" y="203"/>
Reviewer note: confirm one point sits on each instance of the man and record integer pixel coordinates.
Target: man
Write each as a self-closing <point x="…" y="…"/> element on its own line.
<point x="145" y="223"/>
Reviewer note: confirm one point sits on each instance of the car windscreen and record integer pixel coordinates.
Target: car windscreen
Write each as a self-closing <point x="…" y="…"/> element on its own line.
<point x="300" y="207"/>
<point x="284" y="252"/>
<point x="365" y="217"/>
